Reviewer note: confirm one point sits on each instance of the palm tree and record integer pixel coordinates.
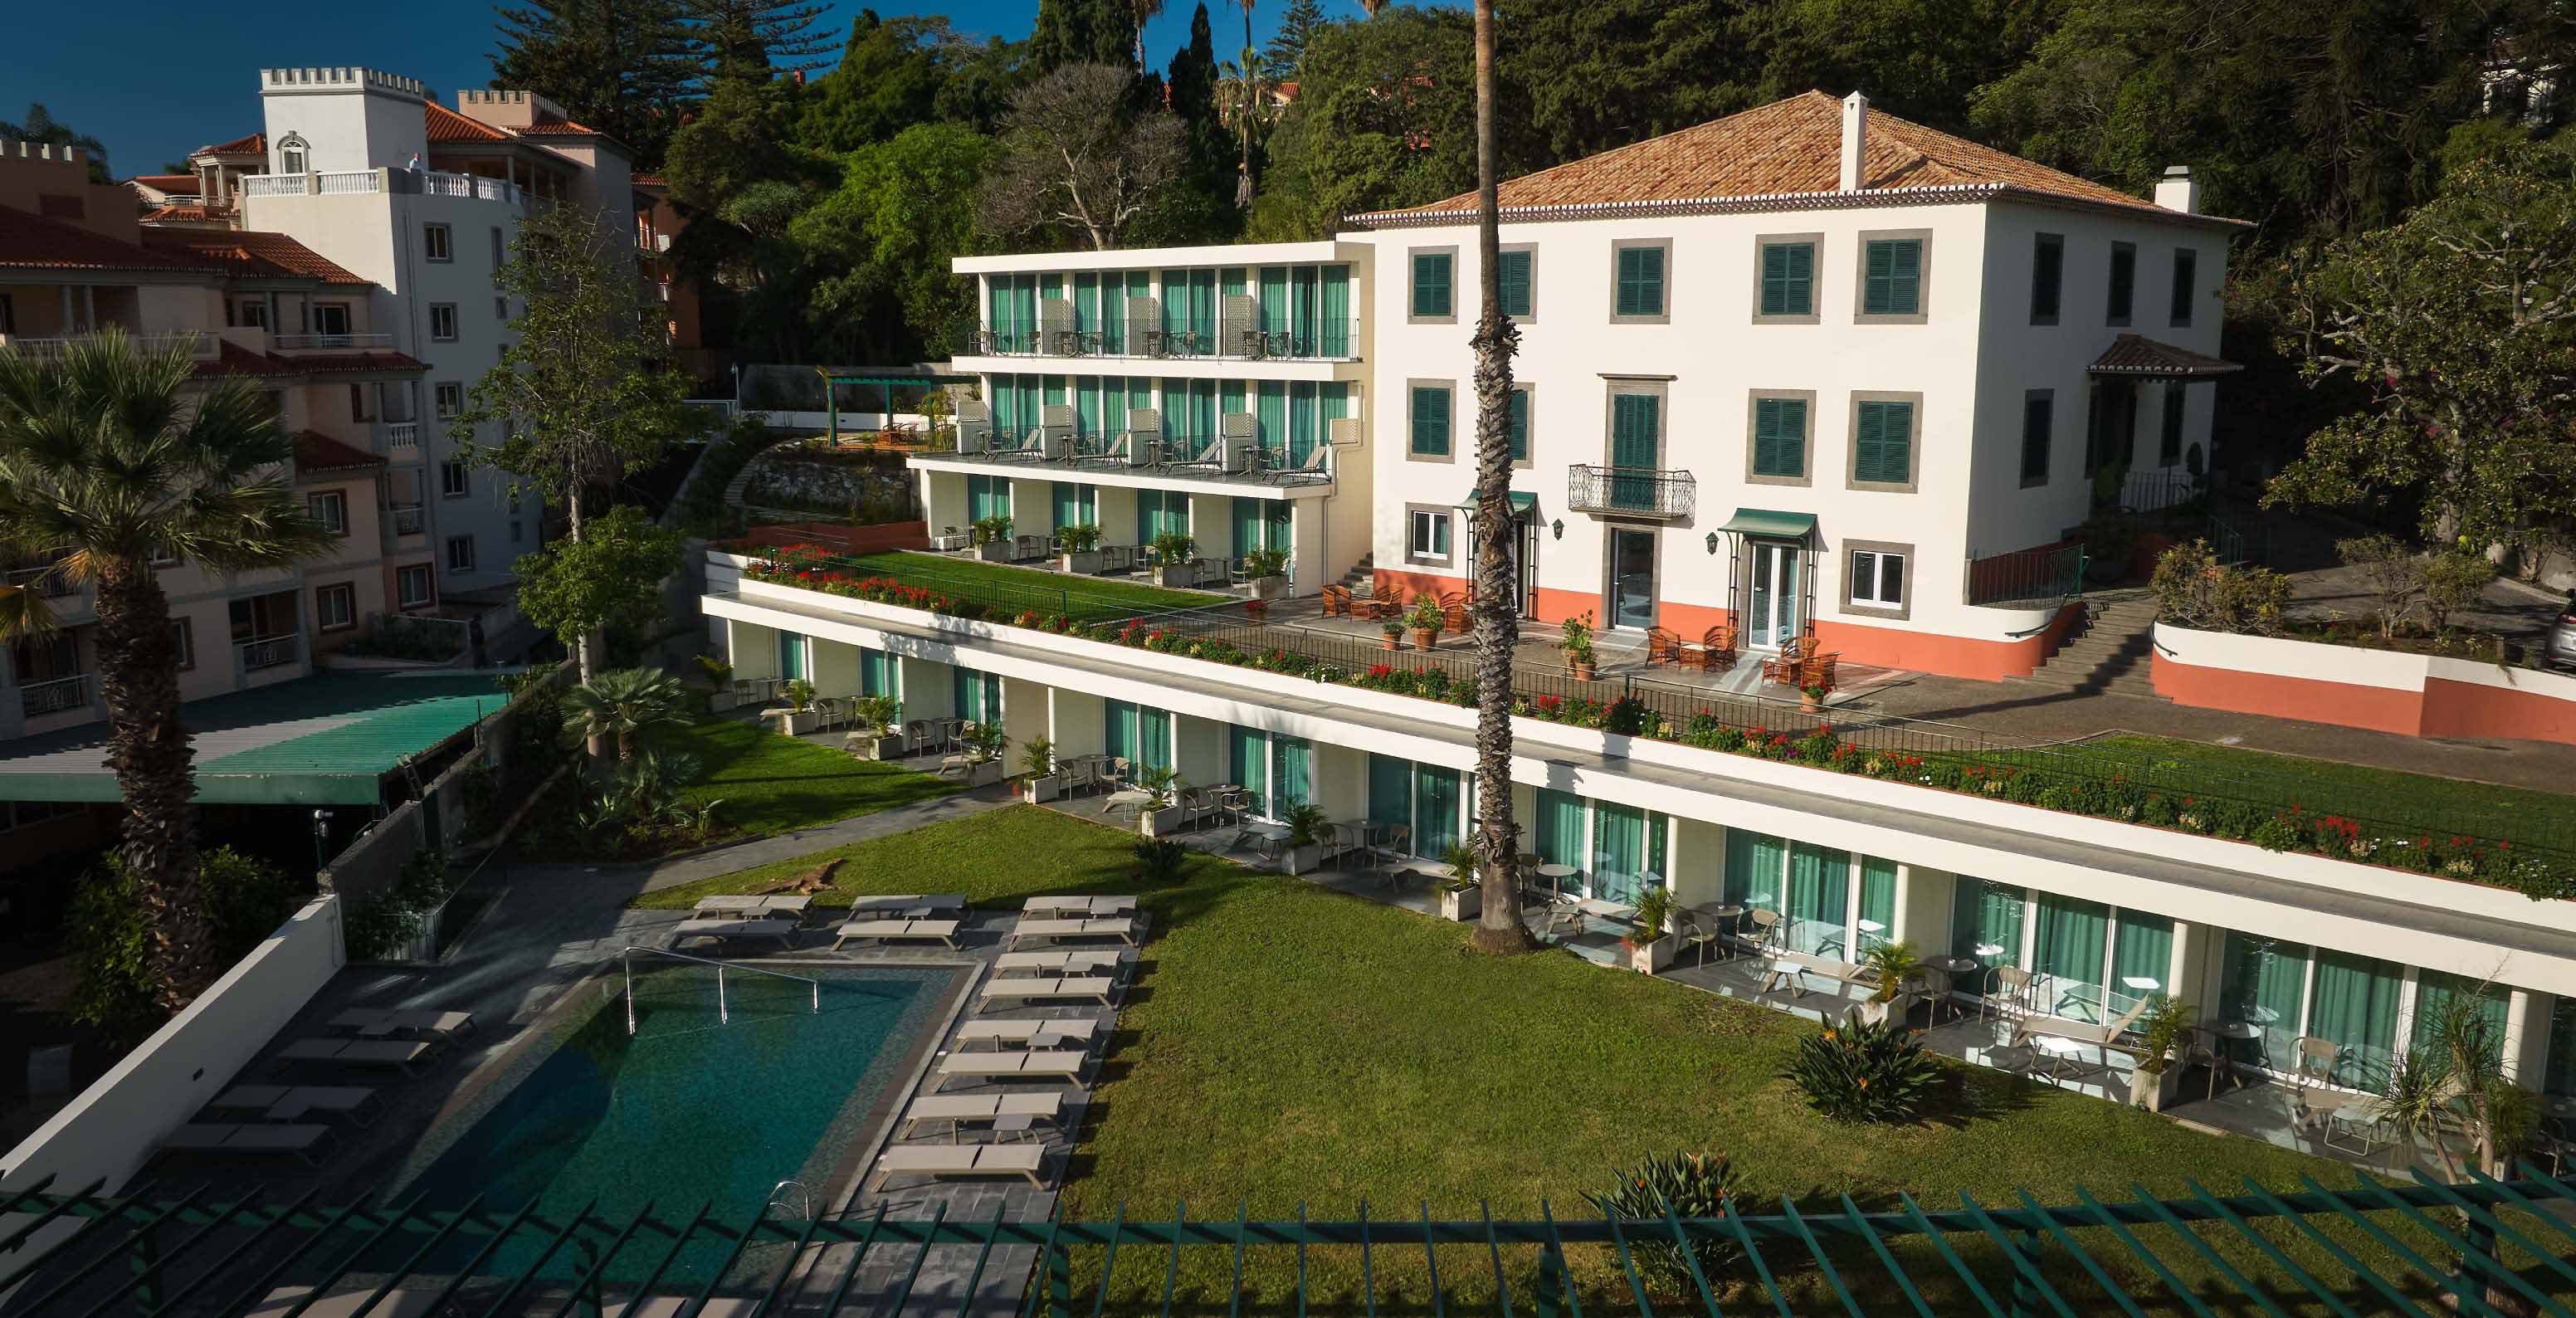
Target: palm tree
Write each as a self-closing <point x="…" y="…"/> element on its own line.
<point x="1252" y="88"/>
<point x="622" y="703"/>
<point x="109" y="459"/>
<point x="1497" y="617"/>
<point x="1144" y="11"/>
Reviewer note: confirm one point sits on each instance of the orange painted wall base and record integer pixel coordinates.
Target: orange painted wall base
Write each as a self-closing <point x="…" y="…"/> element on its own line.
<point x="2443" y="708"/>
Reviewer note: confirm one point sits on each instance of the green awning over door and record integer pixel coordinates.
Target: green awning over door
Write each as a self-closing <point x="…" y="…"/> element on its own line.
<point x="1523" y="502"/>
<point x="1771" y="524"/>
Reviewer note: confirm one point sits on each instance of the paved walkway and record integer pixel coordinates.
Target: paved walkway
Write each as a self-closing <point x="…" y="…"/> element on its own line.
<point x="781" y="846"/>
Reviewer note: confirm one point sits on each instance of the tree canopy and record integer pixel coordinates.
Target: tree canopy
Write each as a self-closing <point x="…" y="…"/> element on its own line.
<point x="620" y="66"/>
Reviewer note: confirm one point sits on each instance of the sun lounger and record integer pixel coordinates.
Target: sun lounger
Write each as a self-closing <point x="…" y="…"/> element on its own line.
<point x="373" y="1022"/>
<point x="357" y="1052"/>
<point x="249" y="1098"/>
<point x="1122" y="928"/>
<point x="290" y="1103"/>
<point x="881" y="903"/>
<point x="959" y="1109"/>
<point x="899" y="931"/>
<point x="1056" y="963"/>
<point x="1094" y="988"/>
<point x="1029" y="1034"/>
<point x="727" y="930"/>
<point x="1077" y="907"/>
<point x="302" y="1141"/>
<point x="939" y="1161"/>
<point x="749" y="906"/>
<point x="1065" y="1065"/>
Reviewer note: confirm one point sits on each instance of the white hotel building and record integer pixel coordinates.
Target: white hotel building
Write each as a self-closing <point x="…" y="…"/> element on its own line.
<point x="1794" y="370"/>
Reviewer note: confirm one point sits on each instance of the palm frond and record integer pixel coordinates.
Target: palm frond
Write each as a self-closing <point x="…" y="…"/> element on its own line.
<point x="24" y="613"/>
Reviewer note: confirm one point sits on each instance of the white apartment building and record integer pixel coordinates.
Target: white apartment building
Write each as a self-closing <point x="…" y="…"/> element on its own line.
<point x="73" y="263"/>
<point x="1797" y="371"/>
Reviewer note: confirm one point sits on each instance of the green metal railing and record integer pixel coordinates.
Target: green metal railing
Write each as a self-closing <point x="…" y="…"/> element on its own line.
<point x="2028" y="578"/>
<point x="2482" y="1246"/>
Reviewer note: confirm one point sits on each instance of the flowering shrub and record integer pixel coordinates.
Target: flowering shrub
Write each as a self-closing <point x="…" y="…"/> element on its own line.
<point x="1995" y="776"/>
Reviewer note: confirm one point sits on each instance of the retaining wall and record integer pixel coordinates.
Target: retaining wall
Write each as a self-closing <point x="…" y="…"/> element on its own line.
<point x="2418" y="695"/>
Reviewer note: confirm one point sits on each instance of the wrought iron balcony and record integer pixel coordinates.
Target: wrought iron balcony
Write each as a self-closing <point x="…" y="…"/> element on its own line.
<point x="62" y="693"/>
<point x="1632" y="491"/>
<point x="1296" y="339"/>
<point x="408" y="519"/>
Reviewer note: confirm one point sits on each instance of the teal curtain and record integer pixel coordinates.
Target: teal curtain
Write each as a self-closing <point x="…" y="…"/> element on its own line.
<point x="1435" y="816"/>
<point x="1229" y="399"/>
<point x="1337" y="311"/>
<point x="1279" y="526"/>
<point x="2355" y="1006"/>
<point x="1558" y="836"/>
<point x="2558" y="1075"/>
<point x="1086" y="301"/>
<point x="2072" y="940"/>
<point x="1158" y="511"/>
<point x="1088" y="414"/>
<point x="1753" y="868"/>
<point x="1986" y="914"/>
<point x="1304" y="431"/>
<point x="1076" y="504"/>
<point x="978" y="695"/>
<point x="1246" y="523"/>
<point x="1274" y="299"/>
<point x="2260" y="983"/>
<point x="1119" y="735"/>
<point x="2435" y="991"/>
<point x="2141" y="948"/>
<point x="1292" y="764"/>
<point x="1618" y="851"/>
<point x="1270" y="418"/>
<point x="1390" y="790"/>
<point x="1247" y="762"/>
<point x="1154" y="733"/>
<point x="791" y="656"/>
<point x="1877" y="900"/>
<point x="877" y="671"/>
<point x="987" y="496"/>
<point x="1819" y="898"/>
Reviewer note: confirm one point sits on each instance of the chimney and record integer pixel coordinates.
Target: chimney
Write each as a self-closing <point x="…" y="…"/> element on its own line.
<point x="2178" y="190"/>
<point x="1855" y="139"/>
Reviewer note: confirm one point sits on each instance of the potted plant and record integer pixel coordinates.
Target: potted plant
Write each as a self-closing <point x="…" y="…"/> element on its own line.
<point x="1576" y="640"/>
<point x="1160" y="817"/>
<point x="1307" y="826"/>
<point x="1461" y="899"/>
<point x="1425" y="621"/>
<point x="1172" y="553"/>
<point x="881" y="737"/>
<point x="984" y="743"/>
<point x="1042" y="783"/>
<point x="1891" y="963"/>
<point x="1394" y="629"/>
<point x="798" y="718"/>
<point x="1266" y="573"/>
<point x="992" y="538"/>
<point x="1650" y="946"/>
<point x="1811" y="697"/>
<point x="1081" y="549"/>
<point x="2158" y="1079"/>
<point x="720" y="683"/>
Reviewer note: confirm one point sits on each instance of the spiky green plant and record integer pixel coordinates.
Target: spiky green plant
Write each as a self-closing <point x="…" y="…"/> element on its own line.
<point x="1855" y="1071"/>
<point x="1688" y="1185"/>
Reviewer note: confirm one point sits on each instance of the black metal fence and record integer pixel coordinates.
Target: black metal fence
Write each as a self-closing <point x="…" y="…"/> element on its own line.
<point x="1265" y="340"/>
<point x="1634" y="491"/>
<point x="2032" y="578"/>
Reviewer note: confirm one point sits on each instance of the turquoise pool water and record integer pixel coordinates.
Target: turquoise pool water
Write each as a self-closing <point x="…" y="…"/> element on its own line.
<point x="687" y="1111"/>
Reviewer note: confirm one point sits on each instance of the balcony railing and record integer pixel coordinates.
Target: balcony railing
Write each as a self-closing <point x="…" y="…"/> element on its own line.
<point x="197" y="344"/>
<point x="38" y="699"/>
<point x="358" y="181"/>
<point x="54" y="587"/>
<point x="266" y="652"/>
<point x="408" y="518"/>
<point x="330" y="342"/>
<point x="1632" y="491"/>
<point x="1329" y="340"/>
<point x="402" y="440"/>
<point x="2026" y="578"/>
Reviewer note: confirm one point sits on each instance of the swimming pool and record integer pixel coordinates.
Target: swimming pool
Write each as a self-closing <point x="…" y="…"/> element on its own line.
<point x="688" y="1110"/>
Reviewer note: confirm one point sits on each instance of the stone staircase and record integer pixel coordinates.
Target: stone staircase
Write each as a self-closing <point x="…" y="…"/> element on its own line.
<point x="2108" y="652"/>
<point x="1361" y="573"/>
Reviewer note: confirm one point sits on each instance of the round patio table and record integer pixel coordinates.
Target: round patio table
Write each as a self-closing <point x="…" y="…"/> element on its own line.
<point x="1556" y="875"/>
<point x="1950" y="968"/>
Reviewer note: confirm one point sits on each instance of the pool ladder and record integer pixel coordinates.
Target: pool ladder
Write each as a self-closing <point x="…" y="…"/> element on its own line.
<point x="724" y="1011"/>
<point x="804" y="1199"/>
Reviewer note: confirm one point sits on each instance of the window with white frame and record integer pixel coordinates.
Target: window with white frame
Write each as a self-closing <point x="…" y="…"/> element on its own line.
<point x="1427" y="535"/>
<point x="331" y="318"/>
<point x="453" y="483"/>
<point x="335" y="608"/>
<point x="436" y="243"/>
<point x="460" y="553"/>
<point x="1878" y="578"/>
<point x="183" y="643"/>
<point x="411" y="586"/>
<point x="448" y="397"/>
<point x="331" y="509"/>
<point x="442" y="322"/>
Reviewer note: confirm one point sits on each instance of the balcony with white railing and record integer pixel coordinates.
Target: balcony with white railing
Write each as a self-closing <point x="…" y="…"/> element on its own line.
<point x="52" y="585"/>
<point x="261" y="652"/>
<point x="370" y="181"/>
<point x="406" y="519"/>
<point x="198" y="344"/>
<point x="57" y="696"/>
<point x="402" y="440"/>
<point x="332" y="342"/>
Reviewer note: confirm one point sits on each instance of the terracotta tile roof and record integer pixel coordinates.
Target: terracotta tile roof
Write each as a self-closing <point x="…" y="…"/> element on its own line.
<point x="254" y="145"/>
<point x="170" y="183"/>
<point x="2132" y="355"/>
<point x="316" y="453"/>
<point x="233" y="359"/>
<point x="187" y="214"/>
<point x="1792" y="146"/>
<point x="559" y="128"/>
<point x="250" y="254"/>
<point x="446" y="125"/>
<point x="33" y="241"/>
<point x="361" y="361"/>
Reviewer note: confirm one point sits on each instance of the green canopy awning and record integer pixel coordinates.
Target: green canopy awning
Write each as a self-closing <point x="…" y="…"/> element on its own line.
<point x="1771" y="524"/>
<point x="1523" y="502"/>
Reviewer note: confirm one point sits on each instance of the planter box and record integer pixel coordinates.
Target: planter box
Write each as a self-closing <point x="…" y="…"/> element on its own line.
<point x="1652" y="957"/>
<point x="985" y="774"/>
<point x="1269" y="588"/>
<point x="1299" y="860"/>
<point x="2155" y="1092"/>
<point x="1873" y="1012"/>
<point x="1159" y="823"/>
<point x="1084" y="563"/>
<point x="870" y="746"/>
<point x="1042" y="789"/>
<point x="1176" y="577"/>
<point x="994" y="551"/>
<point x="794" y="722"/>
<point x="1461" y="905"/>
<point x="719" y="701"/>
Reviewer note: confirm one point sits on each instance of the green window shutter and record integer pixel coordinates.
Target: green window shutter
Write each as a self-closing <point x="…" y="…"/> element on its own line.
<point x="2047" y="275"/>
<point x="1883" y="443"/>
<point x="1788" y="279"/>
<point x="1635" y="431"/>
<point x="1641" y="281"/>
<point x="2169" y="447"/>
<point x="1520" y="425"/>
<point x="2037" y="418"/>
<point x="2185" y="261"/>
<point x="1780" y="437"/>
<point x="1431" y="287"/>
<point x="1892" y="278"/>
<point x="1513" y="272"/>
<point x="1431" y="422"/>
<point x="2124" y="280"/>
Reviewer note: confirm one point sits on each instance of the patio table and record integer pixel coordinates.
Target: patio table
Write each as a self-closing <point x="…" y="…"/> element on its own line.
<point x="1269" y="835"/>
<point x="1556" y="875"/>
<point x="1127" y="798"/>
<point x="1788" y="972"/>
<point x="2064" y="1062"/>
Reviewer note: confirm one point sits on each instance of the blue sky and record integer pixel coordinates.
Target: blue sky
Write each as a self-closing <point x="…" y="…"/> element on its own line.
<point x="155" y="79"/>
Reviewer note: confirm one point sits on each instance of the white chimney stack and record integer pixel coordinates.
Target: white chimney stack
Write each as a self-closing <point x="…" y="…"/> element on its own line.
<point x="2178" y="190"/>
<point x="1855" y="139"/>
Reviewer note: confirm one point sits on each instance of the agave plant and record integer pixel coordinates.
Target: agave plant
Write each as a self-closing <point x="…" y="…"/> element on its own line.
<point x="1855" y="1071"/>
<point x="1678" y="1185"/>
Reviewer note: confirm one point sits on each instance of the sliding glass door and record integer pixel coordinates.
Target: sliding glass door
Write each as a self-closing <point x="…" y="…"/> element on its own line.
<point x="1817" y="907"/>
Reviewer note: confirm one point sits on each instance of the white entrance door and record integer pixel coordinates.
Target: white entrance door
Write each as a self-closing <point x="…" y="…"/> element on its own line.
<point x="1774" y="596"/>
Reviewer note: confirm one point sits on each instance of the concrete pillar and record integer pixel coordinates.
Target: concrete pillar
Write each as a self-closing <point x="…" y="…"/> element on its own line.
<point x="1698" y="863"/>
<point x="1310" y="546"/>
<point x="1199" y="749"/>
<point x="2526" y="1036"/>
<point x="1025" y="706"/>
<point x="1924" y="898"/>
<point x="943" y="500"/>
<point x="929" y="689"/>
<point x="751" y="648"/>
<point x="1078" y="722"/>
<point x="1117" y="515"/>
<point x="836" y="667"/>
<point x="1339" y="780"/>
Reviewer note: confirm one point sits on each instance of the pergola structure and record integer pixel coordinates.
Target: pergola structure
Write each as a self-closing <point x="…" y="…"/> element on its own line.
<point x="2431" y="1248"/>
<point x="833" y="380"/>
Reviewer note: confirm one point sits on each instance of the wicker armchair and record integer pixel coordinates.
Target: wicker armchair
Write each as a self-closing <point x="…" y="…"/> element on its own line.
<point x="1713" y="651"/>
<point x="1787" y="668"/>
<point x="1453" y="614"/>
<point x="1337" y="601"/>
<point x="1663" y="646"/>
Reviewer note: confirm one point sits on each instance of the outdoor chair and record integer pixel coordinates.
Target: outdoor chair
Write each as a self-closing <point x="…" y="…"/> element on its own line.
<point x="2011" y="987"/>
<point x="1786" y="668"/>
<point x="1196" y="805"/>
<point x="1117" y="558"/>
<point x="1029" y="548"/>
<point x="1696" y="929"/>
<point x="749" y="691"/>
<point x="1337" y="601"/>
<point x="1663" y="646"/>
<point x="1394" y="842"/>
<point x="1316" y="467"/>
<point x="1207" y="572"/>
<point x="1079" y="775"/>
<point x="1766" y="927"/>
<point x="829" y="710"/>
<point x="1233" y="807"/>
<point x="1453" y="613"/>
<point x="2316" y="1059"/>
<point x="1714" y="651"/>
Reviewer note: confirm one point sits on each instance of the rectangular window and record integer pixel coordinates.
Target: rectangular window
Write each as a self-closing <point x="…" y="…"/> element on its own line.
<point x="518" y="531"/>
<point x="501" y="309"/>
<point x="1878" y="578"/>
<point x="1512" y="271"/>
<point x="1639" y="277"/>
<point x="2185" y="274"/>
<point x="331" y="509"/>
<point x="1520" y="423"/>
<point x="253" y="313"/>
<point x="2038" y="429"/>
<point x="448" y="397"/>
<point x="362" y="402"/>
<point x="500" y="248"/>
<point x="460" y="553"/>
<point x="2124" y="281"/>
<point x="411" y="586"/>
<point x="1882" y="442"/>
<point x="1780" y="437"/>
<point x="453" y="482"/>
<point x="335" y="608"/>
<point x="1430" y="430"/>
<point x="183" y="642"/>
<point x="1428" y="535"/>
<point x="434" y="243"/>
<point x="1892" y="277"/>
<point x="2169" y="444"/>
<point x="442" y="322"/>
<point x="1788" y="279"/>
<point x="2047" y="276"/>
<point x="1434" y="293"/>
<point x="331" y="318"/>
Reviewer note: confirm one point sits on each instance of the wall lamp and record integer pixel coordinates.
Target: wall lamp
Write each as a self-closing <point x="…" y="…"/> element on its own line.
<point x="1557" y="528"/>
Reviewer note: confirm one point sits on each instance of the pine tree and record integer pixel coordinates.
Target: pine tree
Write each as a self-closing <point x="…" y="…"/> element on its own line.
<point x="1297" y="27"/>
<point x="763" y="36"/>
<point x="620" y="66"/>
<point x="1083" y="32"/>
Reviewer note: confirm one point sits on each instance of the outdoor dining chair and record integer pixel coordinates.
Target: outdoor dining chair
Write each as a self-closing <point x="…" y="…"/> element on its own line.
<point x="1766" y="927"/>
<point x="2010" y="988"/>
<point x="1698" y="928"/>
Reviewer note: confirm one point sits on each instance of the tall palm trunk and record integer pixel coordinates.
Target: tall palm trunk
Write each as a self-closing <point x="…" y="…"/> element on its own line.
<point x="592" y="642"/>
<point x="1499" y="929"/>
<point x="1251" y="90"/>
<point x="138" y="666"/>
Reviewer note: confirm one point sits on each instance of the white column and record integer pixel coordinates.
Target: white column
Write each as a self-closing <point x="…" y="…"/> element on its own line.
<point x="2526" y="1035"/>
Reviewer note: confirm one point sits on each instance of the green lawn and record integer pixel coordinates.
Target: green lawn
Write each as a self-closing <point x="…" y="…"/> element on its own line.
<point x="775" y="784"/>
<point x="1026" y="587"/>
<point x="1287" y="1044"/>
<point x="2435" y="804"/>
